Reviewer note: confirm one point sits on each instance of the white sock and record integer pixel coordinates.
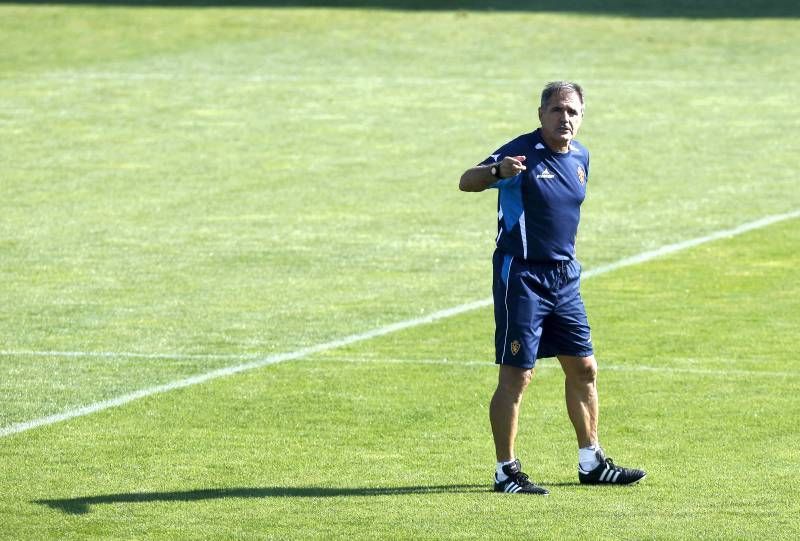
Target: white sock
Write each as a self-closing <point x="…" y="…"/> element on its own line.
<point x="587" y="457"/>
<point x="500" y="474"/>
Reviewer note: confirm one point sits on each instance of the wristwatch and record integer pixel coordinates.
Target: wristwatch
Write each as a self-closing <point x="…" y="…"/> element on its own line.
<point x="496" y="170"/>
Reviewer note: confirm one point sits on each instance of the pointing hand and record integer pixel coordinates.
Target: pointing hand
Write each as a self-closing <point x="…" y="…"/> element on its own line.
<point x="512" y="166"/>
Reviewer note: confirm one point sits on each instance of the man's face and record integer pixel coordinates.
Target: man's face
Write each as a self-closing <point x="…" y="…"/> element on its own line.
<point x="561" y="118"/>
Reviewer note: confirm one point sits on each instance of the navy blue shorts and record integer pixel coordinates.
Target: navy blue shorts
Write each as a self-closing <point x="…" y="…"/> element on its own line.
<point x="538" y="311"/>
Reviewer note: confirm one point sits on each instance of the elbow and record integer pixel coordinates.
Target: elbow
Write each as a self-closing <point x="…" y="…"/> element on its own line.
<point x="472" y="180"/>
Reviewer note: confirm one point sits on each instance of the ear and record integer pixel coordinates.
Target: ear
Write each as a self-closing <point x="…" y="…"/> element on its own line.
<point x="540" y="114"/>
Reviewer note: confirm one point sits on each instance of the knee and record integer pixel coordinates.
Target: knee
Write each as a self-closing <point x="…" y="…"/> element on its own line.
<point x="513" y="381"/>
<point x="585" y="370"/>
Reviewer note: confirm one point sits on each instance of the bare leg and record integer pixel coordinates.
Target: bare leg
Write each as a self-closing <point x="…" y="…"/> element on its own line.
<point x="580" y="391"/>
<point x="504" y="409"/>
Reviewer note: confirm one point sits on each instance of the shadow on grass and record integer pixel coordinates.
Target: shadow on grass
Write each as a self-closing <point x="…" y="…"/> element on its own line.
<point x="81" y="506"/>
<point x="628" y="8"/>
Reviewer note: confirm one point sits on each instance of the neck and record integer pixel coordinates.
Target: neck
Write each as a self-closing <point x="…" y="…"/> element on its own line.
<point x="558" y="146"/>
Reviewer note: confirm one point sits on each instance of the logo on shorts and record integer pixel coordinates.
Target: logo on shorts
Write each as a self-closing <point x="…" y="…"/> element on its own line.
<point x="581" y="175"/>
<point x="515" y="345"/>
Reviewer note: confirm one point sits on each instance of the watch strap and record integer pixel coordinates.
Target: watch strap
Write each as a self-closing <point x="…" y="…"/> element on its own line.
<point x="496" y="170"/>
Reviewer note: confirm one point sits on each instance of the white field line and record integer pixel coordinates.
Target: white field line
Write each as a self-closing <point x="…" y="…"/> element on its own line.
<point x="230" y="370"/>
<point x="680" y="246"/>
<point x="126" y="355"/>
<point x="374" y="333"/>
<point x="551" y="366"/>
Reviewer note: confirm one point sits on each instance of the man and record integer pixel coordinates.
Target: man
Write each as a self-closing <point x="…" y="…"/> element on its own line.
<point x="541" y="178"/>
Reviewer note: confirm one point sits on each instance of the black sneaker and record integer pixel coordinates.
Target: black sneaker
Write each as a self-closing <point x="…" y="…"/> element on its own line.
<point x="608" y="473"/>
<point x="517" y="482"/>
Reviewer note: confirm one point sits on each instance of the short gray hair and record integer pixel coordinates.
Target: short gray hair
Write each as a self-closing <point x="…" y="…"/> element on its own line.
<point x="557" y="87"/>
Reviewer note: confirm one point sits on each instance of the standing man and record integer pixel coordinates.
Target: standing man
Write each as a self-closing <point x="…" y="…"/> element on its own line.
<point x="541" y="178"/>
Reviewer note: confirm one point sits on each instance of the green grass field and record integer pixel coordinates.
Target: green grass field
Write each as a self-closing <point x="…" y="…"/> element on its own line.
<point x="186" y="189"/>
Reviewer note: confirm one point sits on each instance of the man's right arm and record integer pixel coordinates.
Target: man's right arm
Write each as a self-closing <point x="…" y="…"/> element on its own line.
<point x="480" y="177"/>
<point x="477" y="179"/>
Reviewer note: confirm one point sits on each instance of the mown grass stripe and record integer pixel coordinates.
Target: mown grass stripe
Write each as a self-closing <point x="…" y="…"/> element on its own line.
<point x="603" y="366"/>
<point x="374" y="333"/>
<point x="125" y="355"/>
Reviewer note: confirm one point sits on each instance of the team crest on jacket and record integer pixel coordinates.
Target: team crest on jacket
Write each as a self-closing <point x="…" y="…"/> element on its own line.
<point x="581" y="175"/>
<point x="515" y="347"/>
